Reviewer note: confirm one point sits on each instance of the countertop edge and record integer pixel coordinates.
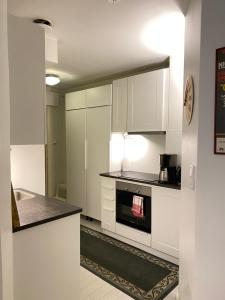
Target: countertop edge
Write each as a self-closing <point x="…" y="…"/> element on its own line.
<point x="141" y="181"/>
<point x="54" y="218"/>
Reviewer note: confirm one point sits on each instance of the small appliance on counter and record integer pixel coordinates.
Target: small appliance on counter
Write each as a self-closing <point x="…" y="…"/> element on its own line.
<point x="168" y="169"/>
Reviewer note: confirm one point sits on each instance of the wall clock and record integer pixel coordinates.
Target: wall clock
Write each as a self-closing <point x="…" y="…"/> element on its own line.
<point x="189" y="99"/>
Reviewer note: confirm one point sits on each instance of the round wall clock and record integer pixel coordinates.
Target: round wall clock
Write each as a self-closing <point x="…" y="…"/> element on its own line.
<point x="189" y="99"/>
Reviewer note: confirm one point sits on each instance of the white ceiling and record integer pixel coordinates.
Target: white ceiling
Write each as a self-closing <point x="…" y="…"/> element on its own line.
<point x="95" y="38"/>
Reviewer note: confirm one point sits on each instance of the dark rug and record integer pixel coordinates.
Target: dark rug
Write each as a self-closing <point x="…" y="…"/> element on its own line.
<point x="133" y="271"/>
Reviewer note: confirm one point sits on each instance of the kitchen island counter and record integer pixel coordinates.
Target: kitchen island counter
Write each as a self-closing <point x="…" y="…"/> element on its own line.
<point x="47" y="254"/>
<point x="40" y="209"/>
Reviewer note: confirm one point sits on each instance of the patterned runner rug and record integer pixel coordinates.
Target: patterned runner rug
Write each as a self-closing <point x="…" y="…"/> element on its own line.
<point x="135" y="272"/>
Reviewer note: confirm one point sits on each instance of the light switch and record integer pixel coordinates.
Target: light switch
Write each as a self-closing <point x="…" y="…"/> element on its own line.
<point x="192" y="172"/>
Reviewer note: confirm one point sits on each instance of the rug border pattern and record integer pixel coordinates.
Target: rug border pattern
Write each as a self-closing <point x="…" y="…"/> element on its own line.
<point x="156" y="293"/>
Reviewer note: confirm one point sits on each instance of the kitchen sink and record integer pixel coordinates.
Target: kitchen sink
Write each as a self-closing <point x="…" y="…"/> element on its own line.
<point x="21" y="195"/>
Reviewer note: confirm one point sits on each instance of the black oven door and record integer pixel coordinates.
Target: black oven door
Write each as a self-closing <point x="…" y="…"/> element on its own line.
<point x="126" y="194"/>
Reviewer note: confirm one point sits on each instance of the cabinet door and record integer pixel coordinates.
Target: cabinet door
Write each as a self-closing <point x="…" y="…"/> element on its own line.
<point x="146" y="95"/>
<point x="108" y="204"/>
<point x="99" y="96"/>
<point x="75" y="150"/>
<point x="119" y="108"/>
<point x="165" y="220"/>
<point x="75" y="100"/>
<point x="98" y="137"/>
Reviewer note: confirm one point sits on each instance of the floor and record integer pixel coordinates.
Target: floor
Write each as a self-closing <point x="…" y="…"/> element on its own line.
<point x="94" y="288"/>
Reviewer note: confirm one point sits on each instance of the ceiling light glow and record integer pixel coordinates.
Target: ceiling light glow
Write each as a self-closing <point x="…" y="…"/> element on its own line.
<point x="52" y="79"/>
<point x="164" y="34"/>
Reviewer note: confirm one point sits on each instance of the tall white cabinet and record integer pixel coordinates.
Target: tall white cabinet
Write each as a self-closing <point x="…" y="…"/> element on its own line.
<point x="75" y="151"/>
<point x="88" y="127"/>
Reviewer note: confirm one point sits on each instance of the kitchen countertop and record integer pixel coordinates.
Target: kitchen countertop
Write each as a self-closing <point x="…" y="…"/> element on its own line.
<point x="147" y="178"/>
<point x="40" y="209"/>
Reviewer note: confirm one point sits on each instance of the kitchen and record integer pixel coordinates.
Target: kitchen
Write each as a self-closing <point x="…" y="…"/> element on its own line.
<point x="97" y="119"/>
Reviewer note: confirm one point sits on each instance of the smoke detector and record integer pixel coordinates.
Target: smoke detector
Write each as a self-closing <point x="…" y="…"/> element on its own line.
<point x="46" y="24"/>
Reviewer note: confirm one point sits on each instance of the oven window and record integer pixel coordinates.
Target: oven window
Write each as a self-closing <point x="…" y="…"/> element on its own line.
<point x="133" y="210"/>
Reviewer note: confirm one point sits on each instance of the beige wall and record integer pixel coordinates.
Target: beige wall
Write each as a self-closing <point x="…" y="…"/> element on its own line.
<point x="56" y="141"/>
<point x="27" y="81"/>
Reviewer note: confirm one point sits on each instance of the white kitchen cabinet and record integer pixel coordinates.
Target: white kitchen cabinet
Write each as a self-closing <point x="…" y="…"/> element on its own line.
<point x="175" y="108"/>
<point x="75" y="150"/>
<point x="108" y="204"/>
<point x="119" y="108"/>
<point x="88" y="136"/>
<point x="75" y="100"/>
<point x="147" y="95"/>
<point x="166" y="220"/>
<point x="99" y="96"/>
<point x="27" y="81"/>
<point x="98" y="127"/>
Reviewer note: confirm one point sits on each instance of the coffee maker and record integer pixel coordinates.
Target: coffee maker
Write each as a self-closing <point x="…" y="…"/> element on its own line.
<point x="168" y="168"/>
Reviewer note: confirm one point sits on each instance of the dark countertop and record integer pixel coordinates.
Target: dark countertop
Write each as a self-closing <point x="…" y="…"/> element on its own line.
<point x="147" y="178"/>
<point x="40" y="209"/>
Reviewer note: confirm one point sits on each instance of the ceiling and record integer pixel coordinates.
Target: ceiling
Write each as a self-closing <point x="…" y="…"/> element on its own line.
<point x="95" y="38"/>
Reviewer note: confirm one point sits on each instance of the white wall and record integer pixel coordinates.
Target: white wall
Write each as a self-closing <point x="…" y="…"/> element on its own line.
<point x="56" y="141"/>
<point x="188" y="276"/>
<point x="27" y="81"/>
<point x="203" y="217"/>
<point x="28" y="167"/>
<point x="210" y="221"/>
<point x="6" y="260"/>
<point x="138" y="153"/>
<point x="142" y="153"/>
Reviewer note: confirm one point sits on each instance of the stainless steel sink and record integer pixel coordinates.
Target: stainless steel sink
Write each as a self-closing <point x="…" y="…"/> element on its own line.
<point x="21" y="195"/>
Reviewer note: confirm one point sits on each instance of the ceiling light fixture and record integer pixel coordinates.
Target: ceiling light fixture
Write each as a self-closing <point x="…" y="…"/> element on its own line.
<point x="46" y="24"/>
<point x="52" y="79"/>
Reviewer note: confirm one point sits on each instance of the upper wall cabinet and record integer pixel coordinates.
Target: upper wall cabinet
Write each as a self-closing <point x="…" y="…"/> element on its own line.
<point x="147" y="94"/>
<point x="99" y="96"/>
<point x="119" y="108"/>
<point x="76" y="100"/>
<point x="93" y="97"/>
<point x="140" y="102"/>
<point x="27" y="81"/>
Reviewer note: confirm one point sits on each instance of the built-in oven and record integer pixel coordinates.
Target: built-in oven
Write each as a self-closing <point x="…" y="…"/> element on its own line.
<point x="133" y="205"/>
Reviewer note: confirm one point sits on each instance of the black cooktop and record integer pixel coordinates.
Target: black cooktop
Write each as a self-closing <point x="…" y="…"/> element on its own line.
<point x="148" y="178"/>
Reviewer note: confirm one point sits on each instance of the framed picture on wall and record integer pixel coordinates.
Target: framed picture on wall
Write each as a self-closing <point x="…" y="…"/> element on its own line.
<point x="219" y="136"/>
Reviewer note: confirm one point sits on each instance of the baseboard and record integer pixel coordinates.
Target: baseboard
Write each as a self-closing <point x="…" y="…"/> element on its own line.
<point x="142" y="247"/>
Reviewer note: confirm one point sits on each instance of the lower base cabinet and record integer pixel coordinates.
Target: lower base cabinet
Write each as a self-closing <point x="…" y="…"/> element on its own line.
<point x="108" y="204"/>
<point x="164" y="236"/>
<point x="165" y="220"/>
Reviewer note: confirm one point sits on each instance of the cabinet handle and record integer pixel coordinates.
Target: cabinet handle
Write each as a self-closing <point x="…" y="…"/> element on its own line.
<point x="108" y="209"/>
<point x="85" y="154"/>
<point x="108" y="198"/>
<point x="108" y="188"/>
